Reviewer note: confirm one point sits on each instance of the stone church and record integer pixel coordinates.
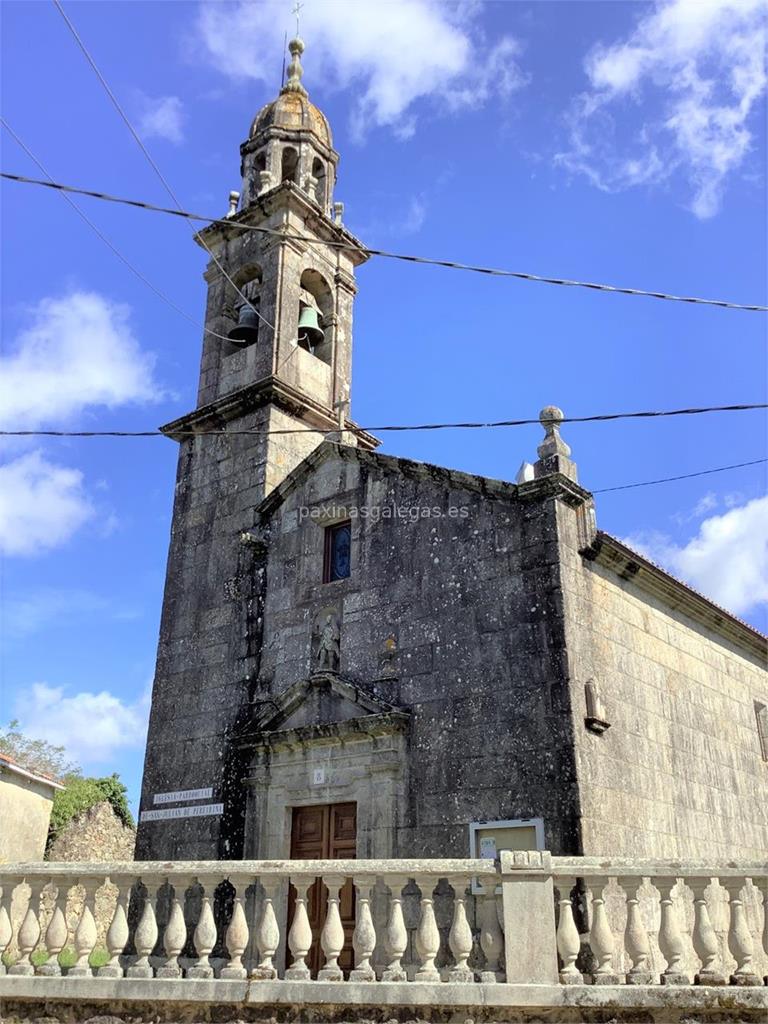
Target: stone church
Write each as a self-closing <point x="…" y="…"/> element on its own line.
<point x="365" y="656"/>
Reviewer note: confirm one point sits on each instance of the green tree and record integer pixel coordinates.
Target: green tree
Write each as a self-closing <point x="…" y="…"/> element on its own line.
<point x="37" y="755"/>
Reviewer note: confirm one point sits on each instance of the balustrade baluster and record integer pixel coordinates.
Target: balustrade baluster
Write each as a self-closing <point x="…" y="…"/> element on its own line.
<point x="205" y="933"/>
<point x="332" y="935"/>
<point x="427" y="934"/>
<point x="57" y="932"/>
<point x="670" y="935"/>
<point x="117" y="933"/>
<point x="237" y="934"/>
<point x="395" y="935"/>
<point x="29" y="933"/>
<point x="267" y="933"/>
<point x="6" y="931"/>
<point x="85" y="933"/>
<point x="491" y="935"/>
<point x="460" y="935"/>
<point x="601" y="936"/>
<point x="568" y="941"/>
<point x="739" y="937"/>
<point x="364" y="935"/>
<point x="636" y="943"/>
<point x="704" y="938"/>
<point x="145" y="937"/>
<point x="763" y="886"/>
<point x="175" y="934"/>
<point x="300" y="934"/>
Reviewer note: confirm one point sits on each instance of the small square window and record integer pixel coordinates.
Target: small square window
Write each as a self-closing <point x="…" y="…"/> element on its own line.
<point x="338" y="544"/>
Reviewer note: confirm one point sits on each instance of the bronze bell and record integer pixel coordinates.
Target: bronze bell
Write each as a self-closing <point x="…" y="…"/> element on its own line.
<point x="247" y="329"/>
<point x="310" y="332"/>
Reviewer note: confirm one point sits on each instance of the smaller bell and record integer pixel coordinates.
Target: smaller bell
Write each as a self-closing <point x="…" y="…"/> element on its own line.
<point x="310" y="332"/>
<point x="247" y="329"/>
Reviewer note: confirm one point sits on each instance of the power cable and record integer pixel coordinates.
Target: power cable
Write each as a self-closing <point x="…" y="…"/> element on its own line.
<point x="148" y="156"/>
<point x="358" y="246"/>
<point x="596" y="418"/>
<point x="681" y="476"/>
<point x="124" y="259"/>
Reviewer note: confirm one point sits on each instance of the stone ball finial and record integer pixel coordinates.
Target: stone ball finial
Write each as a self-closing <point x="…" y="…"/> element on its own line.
<point x="551" y="417"/>
<point x="295" y="70"/>
<point x="554" y="453"/>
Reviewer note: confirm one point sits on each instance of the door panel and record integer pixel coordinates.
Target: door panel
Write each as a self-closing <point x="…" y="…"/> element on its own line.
<point x="325" y="832"/>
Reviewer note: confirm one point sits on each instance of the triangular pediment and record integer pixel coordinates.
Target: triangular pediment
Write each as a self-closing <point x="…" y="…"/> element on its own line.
<point x="323" y="699"/>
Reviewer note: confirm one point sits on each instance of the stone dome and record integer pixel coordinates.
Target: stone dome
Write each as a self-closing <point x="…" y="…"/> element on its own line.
<point x="293" y="110"/>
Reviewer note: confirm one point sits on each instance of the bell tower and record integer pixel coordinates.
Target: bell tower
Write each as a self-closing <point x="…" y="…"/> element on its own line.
<point x="281" y="288"/>
<point x="276" y="360"/>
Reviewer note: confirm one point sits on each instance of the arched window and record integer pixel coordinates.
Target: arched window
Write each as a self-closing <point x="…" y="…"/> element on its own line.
<point x="245" y="303"/>
<point x="318" y="173"/>
<point x="315" y="309"/>
<point x="290" y="165"/>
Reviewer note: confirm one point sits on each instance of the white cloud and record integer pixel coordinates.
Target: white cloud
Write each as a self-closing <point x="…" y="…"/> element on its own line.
<point x="695" y="69"/>
<point x="727" y="559"/>
<point x="92" y="727"/>
<point x="78" y="352"/>
<point x="388" y="56"/>
<point x="41" y="504"/>
<point x="162" y="118"/>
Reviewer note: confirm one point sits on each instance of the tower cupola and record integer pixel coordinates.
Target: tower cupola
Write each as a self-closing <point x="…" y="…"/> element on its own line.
<point x="290" y="140"/>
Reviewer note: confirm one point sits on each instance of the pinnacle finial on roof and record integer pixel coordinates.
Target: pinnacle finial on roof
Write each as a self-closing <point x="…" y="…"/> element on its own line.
<point x="554" y="453"/>
<point x="295" y="70"/>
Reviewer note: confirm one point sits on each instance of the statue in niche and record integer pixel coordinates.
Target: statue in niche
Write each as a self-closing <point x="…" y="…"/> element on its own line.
<point x="328" y="651"/>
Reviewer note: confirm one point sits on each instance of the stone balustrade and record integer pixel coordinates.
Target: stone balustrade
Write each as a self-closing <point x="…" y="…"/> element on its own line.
<point x="530" y="919"/>
<point x="668" y="923"/>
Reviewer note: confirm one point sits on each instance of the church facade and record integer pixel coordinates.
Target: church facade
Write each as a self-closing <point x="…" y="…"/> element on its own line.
<point x="361" y="655"/>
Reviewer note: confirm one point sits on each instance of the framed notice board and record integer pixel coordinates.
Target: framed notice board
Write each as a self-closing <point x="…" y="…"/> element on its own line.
<point x="489" y="838"/>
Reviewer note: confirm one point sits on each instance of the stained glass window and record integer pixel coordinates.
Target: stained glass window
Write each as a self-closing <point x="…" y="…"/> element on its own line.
<point x="338" y="543"/>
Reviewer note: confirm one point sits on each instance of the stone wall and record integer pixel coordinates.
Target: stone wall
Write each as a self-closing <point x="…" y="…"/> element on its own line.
<point x="25" y="810"/>
<point x="679" y="773"/>
<point x="95" y="835"/>
<point x="453" y="617"/>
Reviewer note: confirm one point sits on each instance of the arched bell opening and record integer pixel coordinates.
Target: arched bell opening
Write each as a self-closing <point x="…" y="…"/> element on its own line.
<point x="314" y="329"/>
<point x="246" y="303"/>
<point x="319" y="175"/>
<point x="289" y="167"/>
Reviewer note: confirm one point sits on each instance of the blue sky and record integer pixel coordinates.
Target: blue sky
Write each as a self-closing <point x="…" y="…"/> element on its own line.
<point x="617" y="142"/>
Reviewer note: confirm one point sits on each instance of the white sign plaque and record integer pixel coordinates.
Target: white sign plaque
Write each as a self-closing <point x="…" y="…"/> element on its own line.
<point x="318" y="776"/>
<point x="183" y="794"/>
<point x="488" y="847"/>
<point x="193" y="811"/>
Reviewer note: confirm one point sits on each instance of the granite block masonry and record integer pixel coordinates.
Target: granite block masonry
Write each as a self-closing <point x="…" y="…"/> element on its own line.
<point x="454" y="657"/>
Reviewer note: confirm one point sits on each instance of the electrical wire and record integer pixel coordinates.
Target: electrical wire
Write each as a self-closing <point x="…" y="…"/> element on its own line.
<point x="110" y="245"/>
<point x="148" y="156"/>
<point x="596" y="418"/>
<point x="359" y="247"/>
<point x="681" y="476"/>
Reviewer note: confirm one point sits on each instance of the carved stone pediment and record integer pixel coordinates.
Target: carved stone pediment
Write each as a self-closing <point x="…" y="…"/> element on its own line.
<point x="323" y="706"/>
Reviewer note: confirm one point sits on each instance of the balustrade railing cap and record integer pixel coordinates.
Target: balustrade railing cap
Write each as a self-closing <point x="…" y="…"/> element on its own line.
<point x="526" y="862"/>
<point x="631" y="867"/>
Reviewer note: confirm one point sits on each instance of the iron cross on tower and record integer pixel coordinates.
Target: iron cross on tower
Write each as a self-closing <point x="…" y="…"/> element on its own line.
<point x="295" y="10"/>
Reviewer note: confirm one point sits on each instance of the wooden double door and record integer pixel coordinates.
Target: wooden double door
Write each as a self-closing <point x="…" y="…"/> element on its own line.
<point x="325" y="832"/>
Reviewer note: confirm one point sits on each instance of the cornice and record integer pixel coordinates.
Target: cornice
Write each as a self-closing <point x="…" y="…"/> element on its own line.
<point x="271" y="389"/>
<point x="612" y="554"/>
<point x="332" y="732"/>
<point x="287" y="193"/>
